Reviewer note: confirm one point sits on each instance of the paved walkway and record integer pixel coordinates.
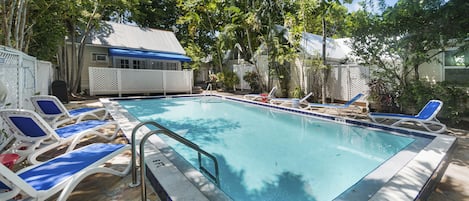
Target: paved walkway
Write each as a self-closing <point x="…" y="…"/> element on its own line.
<point x="454" y="185"/>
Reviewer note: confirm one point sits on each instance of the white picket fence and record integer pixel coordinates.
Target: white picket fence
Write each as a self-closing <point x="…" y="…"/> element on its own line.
<point x="129" y="81"/>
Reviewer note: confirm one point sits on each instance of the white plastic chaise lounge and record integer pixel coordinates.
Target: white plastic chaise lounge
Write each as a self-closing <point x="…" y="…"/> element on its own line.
<point x="52" y="110"/>
<point x="260" y="96"/>
<point x="348" y="104"/>
<point x="34" y="136"/>
<point x="426" y="117"/>
<point x="62" y="173"/>
<point x="289" y="101"/>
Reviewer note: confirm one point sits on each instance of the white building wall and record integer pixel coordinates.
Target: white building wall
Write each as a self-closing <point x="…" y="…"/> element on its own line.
<point x="433" y="71"/>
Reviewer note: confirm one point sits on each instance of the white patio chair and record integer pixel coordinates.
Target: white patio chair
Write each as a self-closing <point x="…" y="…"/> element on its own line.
<point x="56" y="114"/>
<point x="261" y="96"/>
<point x="289" y="101"/>
<point x="426" y="117"/>
<point x="34" y="136"/>
<point x="62" y="173"/>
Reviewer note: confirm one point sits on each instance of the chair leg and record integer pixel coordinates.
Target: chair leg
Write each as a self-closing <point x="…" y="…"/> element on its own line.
<point x="78" y="178"/>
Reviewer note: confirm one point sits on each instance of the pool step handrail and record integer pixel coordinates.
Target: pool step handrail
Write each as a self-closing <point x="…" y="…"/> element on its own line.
<point x="162" y="130"/>
<point x="209" y="87"/>
<point x="134" y="151"/>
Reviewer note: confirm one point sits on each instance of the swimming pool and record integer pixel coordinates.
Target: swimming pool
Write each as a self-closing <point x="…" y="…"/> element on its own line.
<point x="269" y="154"/>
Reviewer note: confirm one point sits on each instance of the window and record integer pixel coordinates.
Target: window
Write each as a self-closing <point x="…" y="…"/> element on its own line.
<point x="122" y="63"/>
<point x="456" y="58"/>
<point x="138" y="64"/>
<point x="157" y="65"/>
<point x="99" y="57"/>
<point x="171" y="66"/>
<point x="456" y="70"/>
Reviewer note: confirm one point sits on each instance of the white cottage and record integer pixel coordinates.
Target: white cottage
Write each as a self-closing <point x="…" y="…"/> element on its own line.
<point x="125" y="46"/>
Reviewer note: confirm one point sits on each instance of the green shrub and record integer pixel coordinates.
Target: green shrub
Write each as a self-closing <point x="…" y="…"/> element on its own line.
<point x="252" y="78"/>
<point x="297" y="93"/>
<point x="229" y="79"/>
<point x="418" y="93"/>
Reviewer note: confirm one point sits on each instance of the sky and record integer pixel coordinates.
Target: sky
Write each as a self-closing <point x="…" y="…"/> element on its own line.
<point x="355" y="6"/>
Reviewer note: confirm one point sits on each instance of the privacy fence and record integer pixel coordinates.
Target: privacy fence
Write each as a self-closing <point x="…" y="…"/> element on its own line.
<point x="130" y="81"/>
<point x="346" y="81"/>
<point x="19" y="80"/>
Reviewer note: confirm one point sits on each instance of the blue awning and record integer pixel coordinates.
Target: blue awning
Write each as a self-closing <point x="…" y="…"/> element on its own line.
<point x="148" y="54"/>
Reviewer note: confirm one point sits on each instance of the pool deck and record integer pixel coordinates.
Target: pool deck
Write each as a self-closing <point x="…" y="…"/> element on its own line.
<point x="454" y="185"/>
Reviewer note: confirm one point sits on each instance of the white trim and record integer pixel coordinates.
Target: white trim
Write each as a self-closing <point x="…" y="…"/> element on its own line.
<point x="95" y="55"/>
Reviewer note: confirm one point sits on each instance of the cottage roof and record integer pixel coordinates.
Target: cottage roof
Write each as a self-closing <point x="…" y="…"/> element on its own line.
<point x="133" y="37"/>
<point x="336" y="49"/>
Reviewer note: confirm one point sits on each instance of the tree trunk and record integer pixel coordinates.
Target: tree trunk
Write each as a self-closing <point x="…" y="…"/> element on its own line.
<point x="212" y="30"/>
<point x="22" y="26"/>
<point x="72" y="65"/>
<point x="9" y="21"/>
<point x="324" y="62"/>
<point x="261" y="80"/>
<point x="416" y="72"/>
<point x="4" y="22"/>
<point x="17" y="23"/>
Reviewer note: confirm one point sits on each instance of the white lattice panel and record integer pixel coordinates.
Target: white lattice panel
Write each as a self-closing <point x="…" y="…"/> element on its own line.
<point x="140" y="81"/>
<point x="103" y="81"/>
<point x="359" y="78"/>
<point x="44" y="76"/>
<point x="346" y="81"/>
<point x="119" y="81"/>
<point x="178" y="81"/>
<point x="18" y="75"/>
<point x="28" y="81"/>
<point x="240" y="71"/>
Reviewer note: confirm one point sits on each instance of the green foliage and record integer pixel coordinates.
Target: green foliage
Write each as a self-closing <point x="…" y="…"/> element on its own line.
<point x="418" y="93"/>
<point x="336" y="19"/>
<point x="161" y="14"/>
<point x="378" y="90"/>
<point x="253" y="79"/>
<point x="405" y="36"/>
<point x="297" y="93"/>
<point x="48" y="30"/>
<point x="228" y="78"/>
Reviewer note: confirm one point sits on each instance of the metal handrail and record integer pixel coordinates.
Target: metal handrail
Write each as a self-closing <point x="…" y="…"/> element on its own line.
<point x="134" y="153"/>
<point x="209" y="86"/>
<point x="169" y="133"/>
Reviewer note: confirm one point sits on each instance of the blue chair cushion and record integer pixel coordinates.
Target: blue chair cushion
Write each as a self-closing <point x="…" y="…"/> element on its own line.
<point x="51" y="173"/>
<point x="73" y="129"/>
<point x="28" y="126"/>
<point x="49" y="107"/>
<point x="79" y="111"/>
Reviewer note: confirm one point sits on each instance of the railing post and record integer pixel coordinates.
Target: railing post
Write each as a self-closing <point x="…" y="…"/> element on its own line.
<point x="134" y="151"/>
<point x="119" y="82"/>
<point x="191" y="80"/>
<point x="91" y="80"/>
<point x="163" y="130"/>
<point x="164" y="82"/>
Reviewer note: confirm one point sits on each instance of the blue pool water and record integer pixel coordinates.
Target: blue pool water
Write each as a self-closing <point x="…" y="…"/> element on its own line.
<point x="266" y="154"/>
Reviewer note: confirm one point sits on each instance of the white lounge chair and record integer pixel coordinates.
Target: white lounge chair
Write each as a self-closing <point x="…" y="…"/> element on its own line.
<point x="34" y="136"/>
<point x="426" y="117"/>
<point x="337" y="107"/>
<point x="289" y="101"/>
<point x="260" y="96"/>
<point x="63" y="173"/>
<point x="55" y="113"/>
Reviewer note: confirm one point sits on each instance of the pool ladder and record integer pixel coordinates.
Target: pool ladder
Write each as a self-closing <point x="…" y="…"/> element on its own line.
<point x="209" y="87"/>
<point x="162" y="130"/>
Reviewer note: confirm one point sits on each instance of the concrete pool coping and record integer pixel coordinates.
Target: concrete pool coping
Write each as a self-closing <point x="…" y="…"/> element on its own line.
<point x="425" y="169"/>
